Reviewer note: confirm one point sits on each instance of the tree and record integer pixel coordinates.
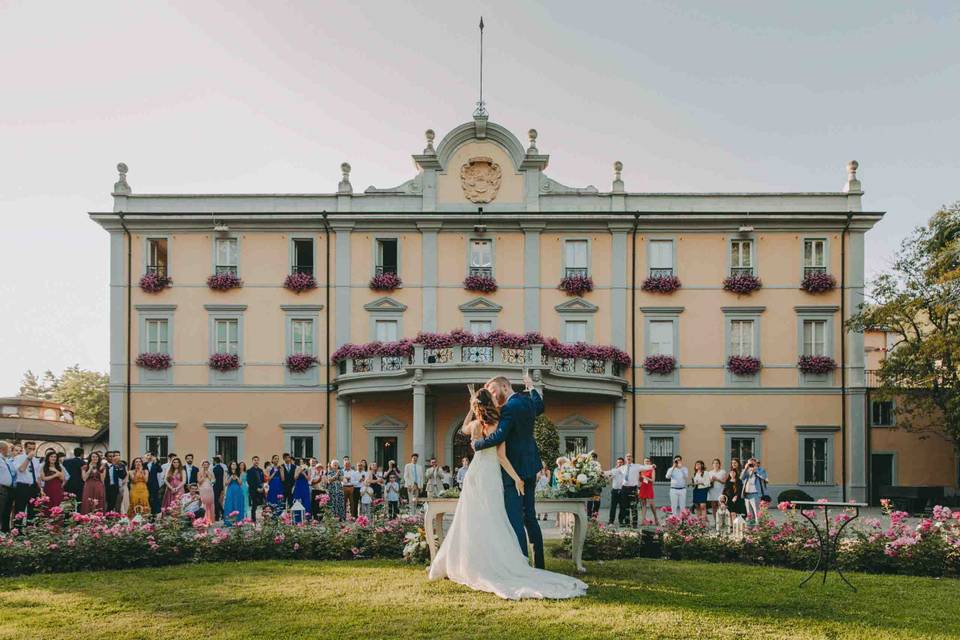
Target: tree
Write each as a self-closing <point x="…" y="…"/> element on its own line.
<point x="548" y="439"/>
<point x="919" y="301"/>
<point x="87" y="392"/>
<point x="33" y="388"/>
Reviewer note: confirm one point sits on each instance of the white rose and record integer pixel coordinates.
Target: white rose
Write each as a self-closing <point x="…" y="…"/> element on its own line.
<point x="582" y="478"/>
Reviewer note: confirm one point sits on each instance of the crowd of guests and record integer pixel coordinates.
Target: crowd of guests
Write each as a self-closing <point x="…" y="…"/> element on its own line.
<point x="218" y="491"/>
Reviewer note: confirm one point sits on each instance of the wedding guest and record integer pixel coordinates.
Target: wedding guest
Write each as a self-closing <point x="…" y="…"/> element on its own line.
<point x="173" y="482"/>
<point x="392" y="491"/>
<point x="301" y="487"/>
<point x="288" y="478"/>
<point x="51" y="474"/>
<point x="244" y="487"/>
<point x="717" y="478"/>
<point x="233" y="508"/>
<point x="154" y="480"/>
<point x="752" y="489"/>
<point x="334" y="484"/>
<point x="732" y="489"/>
<point x="8" y="481"/>
<point x="94" y="495"/>
<point x="543" y="483"/>
<point x="166" y="466"/>
<point x="139" y="494"/>
<point x="736" y="466"/>
<point x="27" y="488"/>
<point x="645" y="493"/>
<point x="366" y="499"/>
<point x="351" y="486"/>
<point x="219" y="484"/>
<point x="275" y="496"/>
<point x="73" y="468"/>
<point x="762" y="474"/>
<point x="413" y="481"/>
<point x="191" y="506"/>
<point x="315" y="478"/>
<point x="116" y="475"/>
<point x="434" y="479"/>
<point x="462" y="471"/>
<point x="189" y="470"/>
<point x="629" y="492"/>
<point x="255" y="482"/>
<point x="701" y="487"/>
<point x="616" y="484"/>
<point x="391" y="468"/>
<point x="204" y="483"/>
<point x="376" y="481"/>
<point x="123" y="502"/>
<point x="679" y="477"/>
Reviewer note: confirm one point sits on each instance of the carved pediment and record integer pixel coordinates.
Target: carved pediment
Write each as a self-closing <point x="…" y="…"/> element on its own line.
<point x="385" y="303"/>
<point x="385" y="423"/>
<point x="576" y="423"/>
<point x="480" y="305"/>
<point x="577" y="305"/>
<point x="480" y="178"/>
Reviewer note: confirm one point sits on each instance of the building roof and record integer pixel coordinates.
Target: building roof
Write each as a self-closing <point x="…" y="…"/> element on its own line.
<point x="27" y="428"/>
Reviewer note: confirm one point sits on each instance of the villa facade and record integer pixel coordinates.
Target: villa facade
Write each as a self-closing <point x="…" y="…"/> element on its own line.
<point x="642" y="316"/>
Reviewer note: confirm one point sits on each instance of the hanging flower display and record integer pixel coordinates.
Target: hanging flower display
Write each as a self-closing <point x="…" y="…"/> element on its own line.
<point x="300" y="362"/>
<point x="483" y="284"/>
<point x="397" y="349"/>
<point x="154" y="361"/>
<point x="385" y="282"/>
<point x="660" y="365"/>
<point x="224" y="281"/>
<point x="817" y="282"/>
<point x="224" y="361"/>
<point x="816" y="364"/>
<point x="742" y="283"/>
<point x="577" y="285"/>
<point x="661" y="284"/>
<point x="154" y="282"/>
<point x="743" y="365"/>
<point x="300" y="282"/>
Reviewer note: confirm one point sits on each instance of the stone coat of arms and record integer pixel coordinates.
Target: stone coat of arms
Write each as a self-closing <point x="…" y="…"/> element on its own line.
<point x="480" y="179"/>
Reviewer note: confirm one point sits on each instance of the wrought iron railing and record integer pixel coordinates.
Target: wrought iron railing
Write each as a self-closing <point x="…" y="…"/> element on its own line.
<point x="157" y="269"/>
<point x="576" y="271"/>
<point x="226" y="268"/>
<point x="741" y="271"/>
<point x="661" y="272"/>
<point x="808" y="270"/>
<point x="382" y="269"/>
<point x="305" y="269"/>
<point x="481" y="271"/>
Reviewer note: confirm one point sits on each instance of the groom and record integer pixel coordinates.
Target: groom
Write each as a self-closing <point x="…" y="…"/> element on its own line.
<point x="517" y="413"/>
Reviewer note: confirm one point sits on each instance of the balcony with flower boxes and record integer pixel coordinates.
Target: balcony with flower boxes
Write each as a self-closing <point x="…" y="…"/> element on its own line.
<point x="461" y="358"/>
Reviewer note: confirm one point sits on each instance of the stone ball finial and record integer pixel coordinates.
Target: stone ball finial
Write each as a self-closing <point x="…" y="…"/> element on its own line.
<point x="430" y="135"/>
<point x="852" y="166"/>
<point x="853" y="184"/>
<point x="618" y="166"/>
<point x="345" y="168"/>
<point x="532" y="134"/>
<point x="121" y="186"/>
<point x="122" y="168"/>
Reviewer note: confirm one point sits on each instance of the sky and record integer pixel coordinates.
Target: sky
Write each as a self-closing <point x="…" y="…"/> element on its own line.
<point x="271" y="97"/>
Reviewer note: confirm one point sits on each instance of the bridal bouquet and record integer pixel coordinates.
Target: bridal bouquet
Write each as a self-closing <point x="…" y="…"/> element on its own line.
<point x="582" y="477"/>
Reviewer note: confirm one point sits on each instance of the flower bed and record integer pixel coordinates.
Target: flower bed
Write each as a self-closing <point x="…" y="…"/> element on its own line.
<point x="742" y="284"/>
<point x="577" y="285"/>
<point x="299" y="282"/>
<point x="60" y="541"/>
<point x="154" y="361"/>
<point x="661" y="284"/>
<point x="816" y="364"/>
<point x="483" y="284"/>
<point x="385" y="282"/>
<point x="224" y="361"/>
<point x="743" y="365"/>
<point x="154" y="283"/>
<point x="224" y="281"/>
<point x="817" y="282"/>
<point x="300" y="362"/>
<point x="400" y="349"/>
<point x="659" y="365"/>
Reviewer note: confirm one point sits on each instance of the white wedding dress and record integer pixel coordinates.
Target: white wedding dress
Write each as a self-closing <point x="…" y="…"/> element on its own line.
<point x="480" y="550"/>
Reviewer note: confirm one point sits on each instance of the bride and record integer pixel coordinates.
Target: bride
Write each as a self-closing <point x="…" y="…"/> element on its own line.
<point x="480" y="550"/>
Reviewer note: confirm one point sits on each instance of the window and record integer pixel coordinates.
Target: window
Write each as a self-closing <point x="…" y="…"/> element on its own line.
<point x="302" y="256"/>
<point x="741" y="337"/>
<point x="386" y="330"/>
<point x="742" y="449"/>
<point x="301" y="446"/>
<point x="157" y="256"/>
<point x="481" y="258"/>
<point x="814" y="337"/>
<point x="159" y="446"/>
<point x="574" y="445"/>
<point x="481" y="326"/>
<point x="815" y="460"/>
<point x="661" y="338"/>
<point x="576" y="258"/>
<point x="575" y="331"/>
<point x="226" y="447"/>
<point x="227" y="336"/>
<point x="302" y="336"/>
<point x="661" y="258"/>
<point x="157" y="335"/>
<point x="227" y="255"/>
<point x="814" y="256"/>
<point x="741" y="257"/>
<point x="387" y="255"/>
<point x="661" y="454"/>
<point x="881" y="413"/>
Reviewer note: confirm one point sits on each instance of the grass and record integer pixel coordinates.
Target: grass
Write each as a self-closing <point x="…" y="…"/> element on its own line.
<point x="380" y="599"/>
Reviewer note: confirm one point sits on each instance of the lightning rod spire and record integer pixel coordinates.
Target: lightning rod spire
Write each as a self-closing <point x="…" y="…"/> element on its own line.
<point x="481" y="109"/>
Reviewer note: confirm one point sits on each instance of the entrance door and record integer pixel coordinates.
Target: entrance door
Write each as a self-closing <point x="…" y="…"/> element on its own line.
<point x="385" y="450"/>
<point x="461" y="449"/>
<point x="881" y="474"/>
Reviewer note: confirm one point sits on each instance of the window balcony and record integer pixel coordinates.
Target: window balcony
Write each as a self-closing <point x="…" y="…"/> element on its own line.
<point x="223" y="268"/>
<point x="661" y="272"/>
<point x="481" y="271"/>
<point x="382" y="269"/>
<point x="304" y="269"/>
<point x="741" y="271"/>
<point x="157" y="270"/>
<point x="810" y="270"/>
<point x="576" y="271"/>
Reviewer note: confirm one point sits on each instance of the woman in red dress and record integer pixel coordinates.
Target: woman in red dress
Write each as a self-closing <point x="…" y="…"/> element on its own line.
<point x="94" y="494"/>
<point x="53" y="477"/>
<point x="646" y="494"/>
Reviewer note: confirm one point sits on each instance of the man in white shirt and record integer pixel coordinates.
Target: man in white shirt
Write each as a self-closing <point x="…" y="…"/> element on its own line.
<point x="679" y="477"/>
<point x="616" y="483"/>
<point x="27" y="465"/>
<point x="413" y="481"/>
<point x="8" y="480"/>
<point x="628" y="491"/>
<point x="351" y="485"/>
<point x="434" y="479"/>
<point x="462" y="471"/>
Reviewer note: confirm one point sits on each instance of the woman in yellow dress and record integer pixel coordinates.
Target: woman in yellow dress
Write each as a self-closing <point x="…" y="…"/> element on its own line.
<point x="139" y="495"/>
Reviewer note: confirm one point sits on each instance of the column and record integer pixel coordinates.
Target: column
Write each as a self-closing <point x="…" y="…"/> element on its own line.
<point x="856" y="384"/>
<point x="618" y="283"/>
<point x="419" y="420"/>
<point x="118" y="344"/>
<point x="428" y="272"/>
<point x="343" y="427"/>
<point x="531" y="275"/>
<point x="342" y="229"/>
<point x="430" y="449"/>
<point x="619" y="431"/>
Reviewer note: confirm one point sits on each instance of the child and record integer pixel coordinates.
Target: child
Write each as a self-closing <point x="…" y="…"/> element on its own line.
<point x="366" y="498"/>
<point x="392" y="491"/>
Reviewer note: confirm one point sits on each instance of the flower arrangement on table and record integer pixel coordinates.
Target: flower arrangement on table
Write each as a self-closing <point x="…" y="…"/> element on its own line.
<point x="481" y="283"/>
<point x="385" y="281"/>
<point x="300" y="362"/>
<point x="300" y="282"/>
<point x="452" y="492"/>
<point x="577" y="285"/>
<point x="818" y="282"/>
<point x="224" y="281"/>
<point x="154" y="361"/>
<point x="742" y="283"/>
<point x="743" y="365"/>
<point x="581" y="477"/>
<point x="659" y="364"/>
<point x="224" y="361"/>
<point x="661" y="284"/>
<point x="154" y="282"/>
<point x="816" y="364"/>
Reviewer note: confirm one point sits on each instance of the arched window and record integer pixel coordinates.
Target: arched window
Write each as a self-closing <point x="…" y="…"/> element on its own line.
<point x="461" y="448"/>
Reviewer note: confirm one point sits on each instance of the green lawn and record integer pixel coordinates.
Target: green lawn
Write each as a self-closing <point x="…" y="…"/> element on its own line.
<point x="628" y="599"/>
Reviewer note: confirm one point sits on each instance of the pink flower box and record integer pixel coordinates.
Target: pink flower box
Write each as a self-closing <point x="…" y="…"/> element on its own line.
<point x="385" y="282"/>
<point x="154" y="283"/>
<point x="661" y="284"/>
<point x="577" y="285"/>
<point x="224" y="361"/>
<point x="224" y="281"/>
<point x="483" y="284"/>
<point x="816" y="364"/>
<point x="743" y="365"/>
<point x="398" y="349"/>
<point x="659" y="365"/>
<point x="300" y="282"/>
<point x="817" y="282"/>
<point x="742" y="284"/>
<point x="154" y="361"/>
<point x="300" y="362"/>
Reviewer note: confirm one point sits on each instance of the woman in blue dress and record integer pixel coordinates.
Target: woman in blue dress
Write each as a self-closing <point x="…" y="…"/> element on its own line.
<point x="301" y="486"/>
<point x="275" y="487"/>
<point x="233" y="508"/>
<point x="242" y="467"/>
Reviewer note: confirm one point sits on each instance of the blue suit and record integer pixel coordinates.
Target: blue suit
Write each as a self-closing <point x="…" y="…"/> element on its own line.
<point x="516" y="430"/>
